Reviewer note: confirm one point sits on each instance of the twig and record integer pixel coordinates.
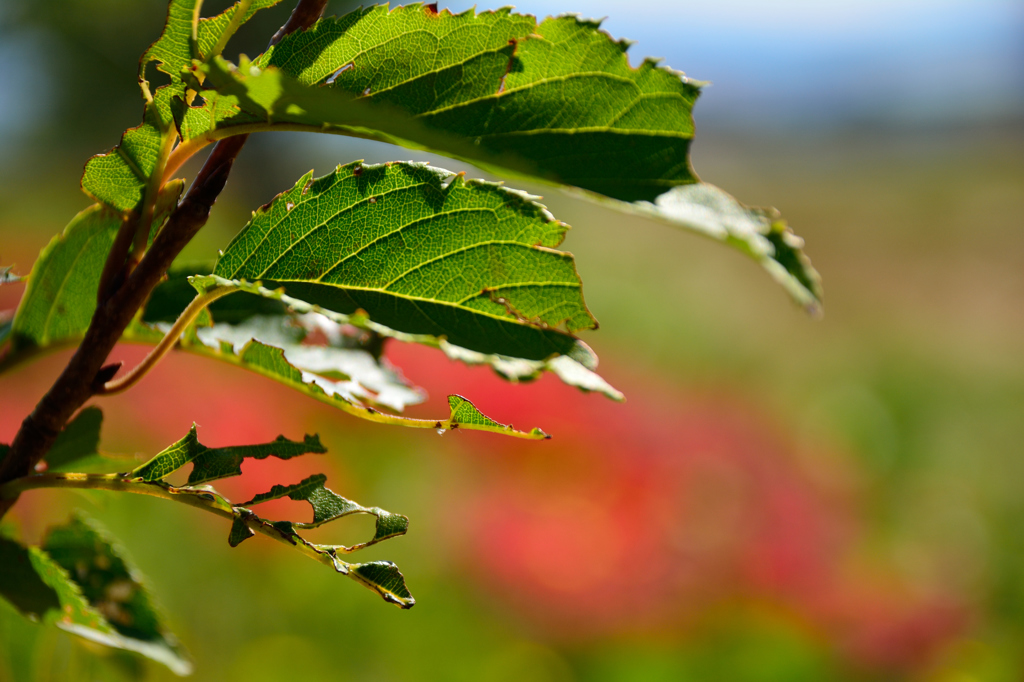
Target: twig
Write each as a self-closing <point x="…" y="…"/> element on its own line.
<point x="208" y="500"/>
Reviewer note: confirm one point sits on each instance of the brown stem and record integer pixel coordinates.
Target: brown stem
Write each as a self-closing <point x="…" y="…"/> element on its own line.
<point x="78" y="382"/>
<point x="113" y="270"/>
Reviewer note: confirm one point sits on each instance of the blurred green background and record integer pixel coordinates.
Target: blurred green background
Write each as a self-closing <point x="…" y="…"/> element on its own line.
<point x="779" y="499"/>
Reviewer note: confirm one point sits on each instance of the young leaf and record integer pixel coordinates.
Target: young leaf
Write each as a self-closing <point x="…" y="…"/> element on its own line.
<point x="329" y="506"/>
<point x="120" y="178"/>
<point x="210" y="464"/>
<point x="421" y="251"/>
<point x="60" y="295"/>
<point x="113" y="588"/>
<point x="175" y="49"/>
<point x="556" y="101"/>
<point x="96" y="597"/>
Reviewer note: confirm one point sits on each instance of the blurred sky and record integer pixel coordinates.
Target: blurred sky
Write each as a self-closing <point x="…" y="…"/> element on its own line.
<point x="774" y="65"/>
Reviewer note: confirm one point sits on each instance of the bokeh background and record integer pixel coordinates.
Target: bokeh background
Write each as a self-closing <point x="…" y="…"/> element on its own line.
<point x="779" y="499"/>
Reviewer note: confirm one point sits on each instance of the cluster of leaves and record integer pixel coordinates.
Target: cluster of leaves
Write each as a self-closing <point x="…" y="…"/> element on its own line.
<point x="366" y="254"/>
<point x="79" y="579"/>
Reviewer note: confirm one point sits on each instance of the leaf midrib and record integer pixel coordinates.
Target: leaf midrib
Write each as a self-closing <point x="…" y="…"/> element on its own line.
<point x="450" y="304"/>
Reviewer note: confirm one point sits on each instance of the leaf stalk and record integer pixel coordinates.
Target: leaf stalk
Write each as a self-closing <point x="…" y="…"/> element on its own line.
<point x="187" y="317"/>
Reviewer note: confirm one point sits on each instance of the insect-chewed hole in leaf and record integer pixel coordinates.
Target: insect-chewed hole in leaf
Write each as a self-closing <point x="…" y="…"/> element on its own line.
<point x="180" y="477"/>
<point x="334" y="76"/>
<point x="348" y="531"/>
<point x="259" y="476"/>
<point x="284" y="509"/>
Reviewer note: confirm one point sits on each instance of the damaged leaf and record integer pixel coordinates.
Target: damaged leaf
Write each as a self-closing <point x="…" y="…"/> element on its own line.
<point x="329" y="506"/>
<point x="349" y="370"/>
<point x="270" y="361"/>
<point x="266" y="318"/>
<point x="210" y="464"/>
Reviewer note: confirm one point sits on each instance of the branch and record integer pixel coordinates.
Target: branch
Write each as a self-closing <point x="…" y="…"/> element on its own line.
<point x="209" y="500"/>
<point x="80" y="379"/>
<point x="204" y="499"/>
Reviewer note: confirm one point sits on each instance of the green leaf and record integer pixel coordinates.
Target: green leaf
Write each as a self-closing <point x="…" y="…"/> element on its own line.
<point x="422" y="251"/>
<point x="60" y="296"/>
<point x="213" y="463"/>
<point x="80" y="583"/>
<point x="79" y="441"/>
<point x="352" y="372"/>
<point x="465" y="415"/>
<point x="270" y="362"/>
<point x="224" y="462"/>
<point x="385" y="579"/>
<point x="556" y="101"/>
<point x="114" y="588"/>
<point x="174" y="49"/>
<point x="329" y="506"/>
<point x="575" y="369"/>
<point x="266" y="318"/>
<point x="240" y="531"/>
<point x="120" y="177"/>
